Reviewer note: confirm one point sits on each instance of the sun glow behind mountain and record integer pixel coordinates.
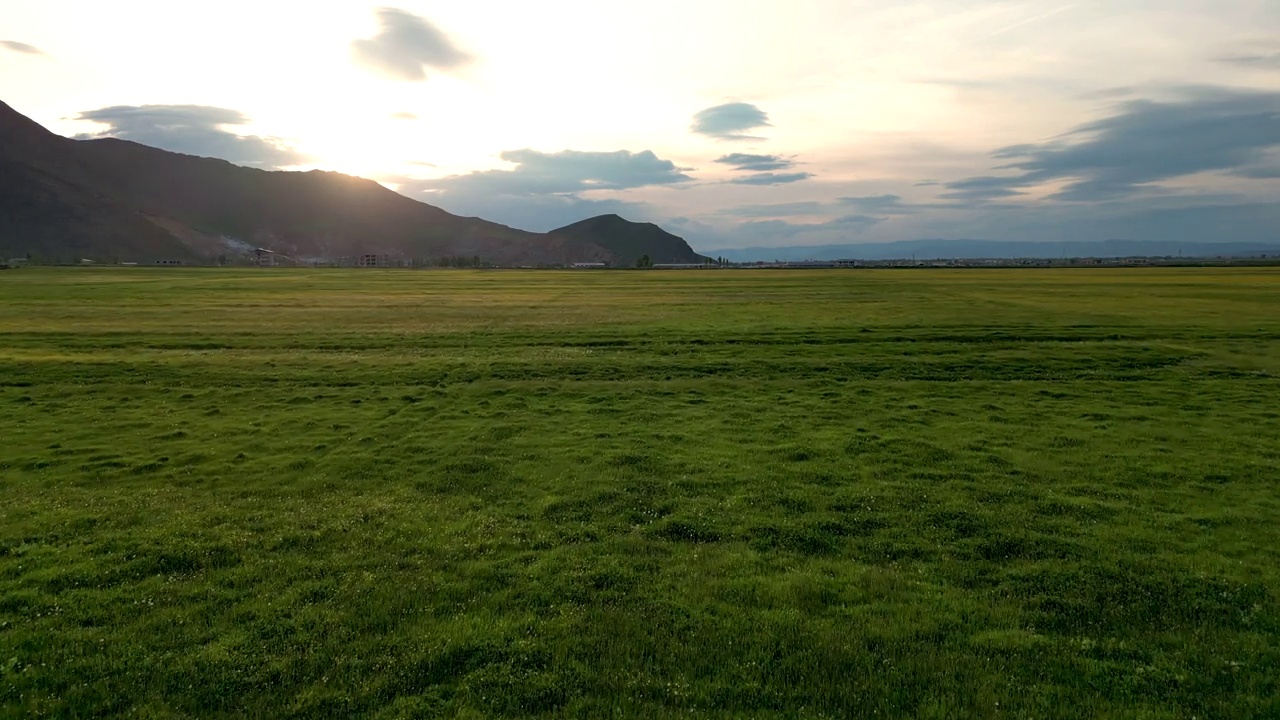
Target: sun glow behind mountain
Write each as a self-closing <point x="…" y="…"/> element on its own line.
<point x="926" y="100"/>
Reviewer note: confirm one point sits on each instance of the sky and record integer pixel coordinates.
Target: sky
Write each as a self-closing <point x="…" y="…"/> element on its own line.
<point x="731" y="123"/>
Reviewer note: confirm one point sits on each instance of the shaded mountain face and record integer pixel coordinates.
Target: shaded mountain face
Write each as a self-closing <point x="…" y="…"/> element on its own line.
<point x="53" y="205"/>
<point x="629" y="241"/>
<point x="62" y="200"/>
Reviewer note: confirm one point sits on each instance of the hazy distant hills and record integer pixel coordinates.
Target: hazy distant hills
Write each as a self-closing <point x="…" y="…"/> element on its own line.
<point x="974" y="249"/>
<point x="63" y="200"/>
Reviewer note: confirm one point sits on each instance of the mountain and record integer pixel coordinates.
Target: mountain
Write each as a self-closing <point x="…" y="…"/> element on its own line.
<point x="974" y="249"/>
<point x="629" y="241"/>
<point x="62" y="200"/>
<point x="53" y="205"/>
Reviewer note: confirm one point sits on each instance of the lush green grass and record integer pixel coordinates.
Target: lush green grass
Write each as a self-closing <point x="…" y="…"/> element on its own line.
<point x="756" y="494"/>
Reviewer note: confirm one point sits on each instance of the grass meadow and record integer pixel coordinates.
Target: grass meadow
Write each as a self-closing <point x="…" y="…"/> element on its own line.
<point x="767" y="494"/>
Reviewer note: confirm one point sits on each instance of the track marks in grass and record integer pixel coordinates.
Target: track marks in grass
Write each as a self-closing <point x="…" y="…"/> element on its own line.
<point x="515" y="494"/>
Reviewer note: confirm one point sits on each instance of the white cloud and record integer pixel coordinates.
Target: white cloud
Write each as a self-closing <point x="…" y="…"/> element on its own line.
<point x="192" y="130"/>
<point x="731" y="121"/>
<point x="547" y="190"/>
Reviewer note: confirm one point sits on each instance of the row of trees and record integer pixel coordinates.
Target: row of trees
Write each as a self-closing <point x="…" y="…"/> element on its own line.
<point x="456" y="262"/>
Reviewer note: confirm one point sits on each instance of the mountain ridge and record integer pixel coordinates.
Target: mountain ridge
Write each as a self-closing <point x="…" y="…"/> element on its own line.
<point x="632" y="240"/>
<point x="108" y="199"/>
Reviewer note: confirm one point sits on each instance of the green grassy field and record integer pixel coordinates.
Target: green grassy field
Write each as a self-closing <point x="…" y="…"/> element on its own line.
<point x="271" y="494"/>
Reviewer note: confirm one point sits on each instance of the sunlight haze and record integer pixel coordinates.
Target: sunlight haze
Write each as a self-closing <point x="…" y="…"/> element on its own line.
<point x="918" y="100"/>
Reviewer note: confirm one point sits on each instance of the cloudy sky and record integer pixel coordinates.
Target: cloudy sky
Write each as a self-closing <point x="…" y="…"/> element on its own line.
<point x="731" y="122"/>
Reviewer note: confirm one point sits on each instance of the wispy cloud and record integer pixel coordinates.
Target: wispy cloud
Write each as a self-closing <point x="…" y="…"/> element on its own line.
<point x="985" y="187"/>
<point x="777" y="210"/>
<point x="774" y="230"/>
<point x="769" y="178"/>
<point x="744" y="162"/>
<point x="1028" y="21"/>
<point x="1267" y="60"/>
<point x="406" y="45"/>
<point x="1206" y="129"/>
<point x="1111" y="93"/>
<point x="865" y="206"/>
<point x="573" y="171"/>
<point x="21" y="47"/>
<point x="885" y="205"/>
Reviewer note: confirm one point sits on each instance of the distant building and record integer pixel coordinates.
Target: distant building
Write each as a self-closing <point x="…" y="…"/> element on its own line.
<point x="589" y="265"/>
<point x="377" y="261"/>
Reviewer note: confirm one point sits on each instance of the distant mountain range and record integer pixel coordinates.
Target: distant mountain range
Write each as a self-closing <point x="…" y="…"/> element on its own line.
<point x="976" y="249"/>
<point x="63" y="200"/>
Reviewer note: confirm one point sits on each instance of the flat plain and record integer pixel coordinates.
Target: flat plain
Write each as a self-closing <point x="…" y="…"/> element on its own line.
<point x="900" y="493"/>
